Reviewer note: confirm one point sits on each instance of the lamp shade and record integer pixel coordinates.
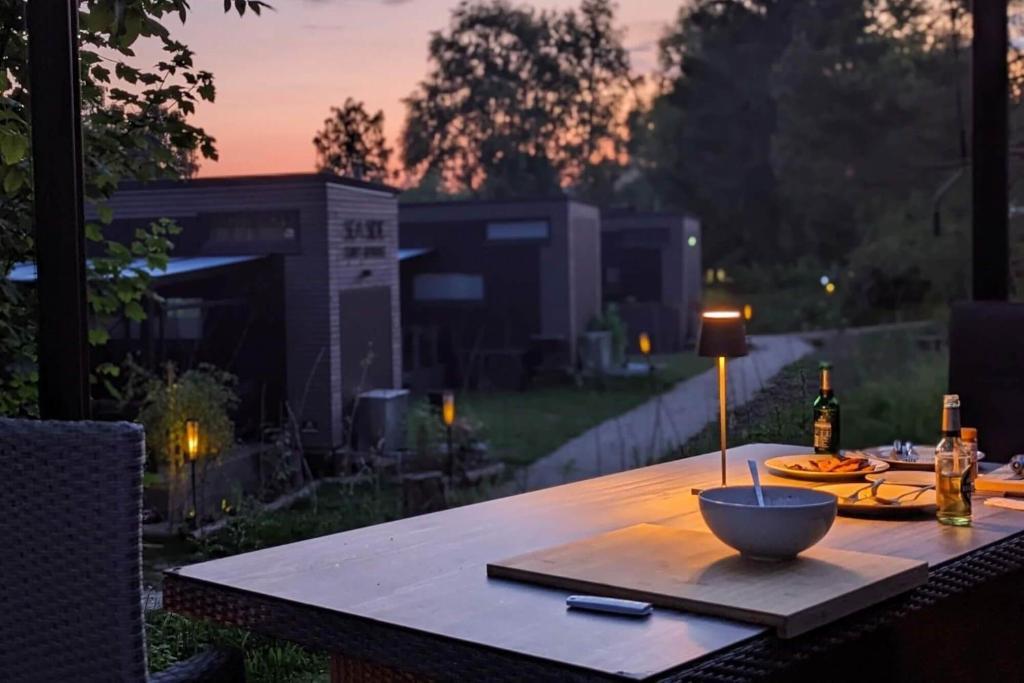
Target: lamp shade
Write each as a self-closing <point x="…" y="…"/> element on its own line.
<point x="722" y="333"/>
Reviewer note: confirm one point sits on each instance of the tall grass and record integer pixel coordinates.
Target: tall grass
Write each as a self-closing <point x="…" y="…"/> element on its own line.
<point x="889" y="387"/>
<point x="171" y="638"/>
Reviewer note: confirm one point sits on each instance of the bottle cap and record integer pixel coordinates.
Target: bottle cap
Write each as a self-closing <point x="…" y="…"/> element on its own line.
<point x="951" y="401"/>
<point x="968" y="434"/>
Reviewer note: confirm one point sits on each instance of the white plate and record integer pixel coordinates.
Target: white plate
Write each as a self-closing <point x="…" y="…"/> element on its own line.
<point x="925" y="457"/>
<point x="905" y="477"/>
<point x="777" y="466"/>
<point x="869" y="507"/>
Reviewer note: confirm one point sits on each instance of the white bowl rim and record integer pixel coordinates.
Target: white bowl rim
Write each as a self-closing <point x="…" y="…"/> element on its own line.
<point x="831" y="499"/>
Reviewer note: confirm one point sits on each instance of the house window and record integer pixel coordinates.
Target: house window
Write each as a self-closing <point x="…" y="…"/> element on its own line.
<point x="448" y="287"/>
<point x="251" y="226"/>
<point x="518" y="231"/>
<point x="184" y="319"/>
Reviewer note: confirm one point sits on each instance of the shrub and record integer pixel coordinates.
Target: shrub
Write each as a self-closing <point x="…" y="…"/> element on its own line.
<point x="205" y="394"/>
<point x="429" y="436"/>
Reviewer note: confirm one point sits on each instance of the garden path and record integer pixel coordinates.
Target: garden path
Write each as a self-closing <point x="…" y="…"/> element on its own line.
<point x="665" y="422"/>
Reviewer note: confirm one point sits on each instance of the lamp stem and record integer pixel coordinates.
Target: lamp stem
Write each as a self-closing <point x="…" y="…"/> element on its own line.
<point x="721" y="410"/>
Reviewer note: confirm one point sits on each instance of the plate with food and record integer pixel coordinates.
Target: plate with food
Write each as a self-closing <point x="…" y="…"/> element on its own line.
<point x="888" y="500"/>
<point x="906" y="477"/>
<point x="917" y="458"/>
<point x="824" y="467"/>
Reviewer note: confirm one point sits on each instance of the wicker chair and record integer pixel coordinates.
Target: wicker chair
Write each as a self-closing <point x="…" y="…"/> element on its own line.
<point x="70" y="558"/>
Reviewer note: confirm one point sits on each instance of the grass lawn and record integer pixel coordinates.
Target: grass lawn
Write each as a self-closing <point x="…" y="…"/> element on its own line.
<point x="888" y="389"/>
<point x="524" y="426"/>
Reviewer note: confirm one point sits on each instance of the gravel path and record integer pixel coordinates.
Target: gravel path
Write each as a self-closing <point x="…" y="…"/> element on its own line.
<point x="669" y="420"/>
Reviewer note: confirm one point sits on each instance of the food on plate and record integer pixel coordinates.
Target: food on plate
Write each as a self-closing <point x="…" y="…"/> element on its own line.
<point x="832" y="464"/>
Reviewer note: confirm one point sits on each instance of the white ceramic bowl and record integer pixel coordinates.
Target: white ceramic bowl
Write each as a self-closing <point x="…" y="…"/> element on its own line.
<point x="792" y="520"/>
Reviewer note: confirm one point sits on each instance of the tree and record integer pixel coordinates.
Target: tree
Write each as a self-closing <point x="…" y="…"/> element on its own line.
<point x="706" y="144"/>
<point x="867" y="123"/>
<point x="352" y="143"/>
<point x="519" y="102"/>
<point x="135" y="125"/>
<point x="593" y="57"/>
<point x="798" y="128"/>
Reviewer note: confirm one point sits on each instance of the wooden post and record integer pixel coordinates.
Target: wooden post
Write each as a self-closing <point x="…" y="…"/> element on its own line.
<point x="989" y="152"/>
<point x="59" y="220"/>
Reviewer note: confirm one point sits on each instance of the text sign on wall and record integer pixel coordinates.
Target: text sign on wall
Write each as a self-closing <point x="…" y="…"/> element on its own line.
<point x="364" y="230"/>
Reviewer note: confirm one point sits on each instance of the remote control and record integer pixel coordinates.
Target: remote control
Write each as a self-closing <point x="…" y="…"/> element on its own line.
<point x="596" y="603"/>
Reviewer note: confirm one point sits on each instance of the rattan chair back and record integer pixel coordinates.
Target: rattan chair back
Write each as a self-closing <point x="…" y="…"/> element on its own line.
<point x="70" y="552"/>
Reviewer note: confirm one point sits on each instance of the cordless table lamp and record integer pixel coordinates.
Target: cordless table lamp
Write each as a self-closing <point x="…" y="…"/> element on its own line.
<point x="722" y="335"/>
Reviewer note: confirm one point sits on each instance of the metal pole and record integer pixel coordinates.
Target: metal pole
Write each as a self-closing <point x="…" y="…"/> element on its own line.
<point x="989" y="151"/>
<point x="451" y="454"/>
<point x="59" y="220"/>
<point x="721" y="411"/>
<point x="195" y="498"/>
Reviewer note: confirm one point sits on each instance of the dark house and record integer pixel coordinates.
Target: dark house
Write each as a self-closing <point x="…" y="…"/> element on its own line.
<point x="651" y="268"/>
<point x="492" y="289"/>
<point x="288" y="281"/>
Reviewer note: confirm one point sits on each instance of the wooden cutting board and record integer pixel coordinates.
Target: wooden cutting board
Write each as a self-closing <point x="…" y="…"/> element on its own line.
<point x="1001" y="480"/>
<point x="695" y="572"/>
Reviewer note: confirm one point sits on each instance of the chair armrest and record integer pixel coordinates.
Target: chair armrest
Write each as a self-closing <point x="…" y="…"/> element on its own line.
<point x="215" y="665"/>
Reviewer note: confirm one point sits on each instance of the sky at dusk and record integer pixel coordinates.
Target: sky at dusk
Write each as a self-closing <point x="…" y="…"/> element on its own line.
<point x="278" y="74"/>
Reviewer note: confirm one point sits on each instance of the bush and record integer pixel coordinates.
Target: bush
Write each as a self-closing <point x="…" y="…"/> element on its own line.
<point x="429" y="437"/>
<point x="205" y="394"/>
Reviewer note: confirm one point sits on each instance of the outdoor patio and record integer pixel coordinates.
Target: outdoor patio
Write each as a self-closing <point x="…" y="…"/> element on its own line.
<point x="488" y="476"/>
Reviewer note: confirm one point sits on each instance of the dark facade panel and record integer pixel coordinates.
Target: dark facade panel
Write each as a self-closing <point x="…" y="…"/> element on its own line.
<point x="499" y="275"/>
<point x="366" y="340"/>
<point x="651" y="268"/>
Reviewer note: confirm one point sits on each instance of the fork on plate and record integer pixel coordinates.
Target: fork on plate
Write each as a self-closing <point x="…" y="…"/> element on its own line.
<point x="914" y="495"/>
<point x="855" y="496"/>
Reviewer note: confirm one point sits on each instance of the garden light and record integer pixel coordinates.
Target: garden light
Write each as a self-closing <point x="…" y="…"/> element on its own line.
<point x="691" y="240"/>
<point x="192" y="447"/>
<point x="448" y="408"/>
<point x="448" y="418"/>
<point x="824" y="280"/>
<point x="830" y="288"/>
<point x="645" y="348"/>
<point x="748" y="312"/>
<point x="192" y="438"/>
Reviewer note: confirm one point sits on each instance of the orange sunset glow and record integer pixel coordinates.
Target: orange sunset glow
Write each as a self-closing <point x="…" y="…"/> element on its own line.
<point x="278" y="74"/>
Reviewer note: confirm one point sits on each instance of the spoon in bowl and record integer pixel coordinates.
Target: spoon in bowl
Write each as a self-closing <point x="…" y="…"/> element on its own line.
<point x="757" y="482"/>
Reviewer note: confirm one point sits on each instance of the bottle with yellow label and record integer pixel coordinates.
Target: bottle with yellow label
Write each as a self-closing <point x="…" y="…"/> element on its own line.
<point x="953" y="481"/>
<point x="826" y="415"/>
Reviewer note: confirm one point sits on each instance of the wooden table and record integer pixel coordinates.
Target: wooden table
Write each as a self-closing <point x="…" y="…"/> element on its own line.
<point x="413" y="595"/>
